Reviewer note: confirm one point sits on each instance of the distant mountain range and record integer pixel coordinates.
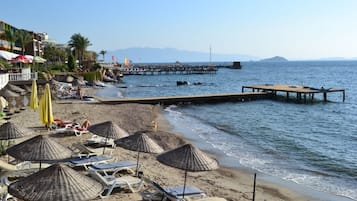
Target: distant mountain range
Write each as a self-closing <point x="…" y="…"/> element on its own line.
<point x="171" y="55"/>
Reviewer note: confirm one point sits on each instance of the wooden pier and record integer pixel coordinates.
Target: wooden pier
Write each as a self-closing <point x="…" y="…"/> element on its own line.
<point x="167" y="70"/>
<point x="302" y="92"/>
<point x="196" y="99"/>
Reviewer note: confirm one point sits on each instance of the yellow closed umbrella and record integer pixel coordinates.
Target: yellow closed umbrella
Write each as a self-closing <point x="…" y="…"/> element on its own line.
<point x="46" y="115"/>
<point x="34" y="98"/>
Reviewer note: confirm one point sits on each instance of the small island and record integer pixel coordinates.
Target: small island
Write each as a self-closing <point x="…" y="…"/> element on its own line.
<point x="274" y="59"/>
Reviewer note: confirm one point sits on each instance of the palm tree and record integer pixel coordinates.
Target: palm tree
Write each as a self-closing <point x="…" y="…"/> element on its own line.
<point x="24" y="38"/>
<point x="103" y="52"/>
<point x="80" y="44"/>
<point x="11" y="37"/>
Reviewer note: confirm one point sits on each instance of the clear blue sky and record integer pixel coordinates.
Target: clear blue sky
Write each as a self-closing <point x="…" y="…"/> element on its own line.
<point x="296" y="29"/>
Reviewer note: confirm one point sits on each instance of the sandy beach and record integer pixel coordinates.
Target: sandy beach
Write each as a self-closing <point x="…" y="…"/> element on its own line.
<point x="231" y="184"/>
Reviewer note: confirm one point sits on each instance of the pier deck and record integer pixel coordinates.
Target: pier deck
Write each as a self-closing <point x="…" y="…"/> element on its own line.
<point x="300" y="91"/>
<point x="198" y="99"/>
<point x="167" y="70"/>
<point x="266" y="91"/>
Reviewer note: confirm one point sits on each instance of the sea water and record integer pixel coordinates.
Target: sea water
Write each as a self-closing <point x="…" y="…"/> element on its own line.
<point x="310" y="144"/>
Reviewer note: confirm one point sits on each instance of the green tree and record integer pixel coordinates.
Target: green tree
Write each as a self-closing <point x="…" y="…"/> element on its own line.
<point x="54" y="54"/>
<point x="91" y="55"/>
<point x="103" y="52"/>
<point x="80" y="44"/>
<point x="11" y="37"/>
<point x="24" y="38"/>
<point x="71" y="63"/>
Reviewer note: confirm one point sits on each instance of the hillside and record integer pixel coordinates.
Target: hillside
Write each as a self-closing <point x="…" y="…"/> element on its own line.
<point x="274" y="59"/>
<point x="157" y="55"/>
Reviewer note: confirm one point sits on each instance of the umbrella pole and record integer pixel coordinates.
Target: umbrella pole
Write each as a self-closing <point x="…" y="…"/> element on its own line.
<point x="255" y="178"/>
<point x="137" y="164"/>
<point x="8" y="156"/>
<point x="105" y="143"/>
<point x="184" y="184"/>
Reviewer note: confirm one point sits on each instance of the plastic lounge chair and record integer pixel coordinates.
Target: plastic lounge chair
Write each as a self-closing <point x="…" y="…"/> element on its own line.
<point x="171" y="193"/>
<point x="86" y="162"/>
<point x="111" y="182"/>
<point x="89" y="151"/>
<point x="78" y="131"/>
<point x="211" y="199"/>
<point x="21" y="166"/>
<point x="75" y="128"/>
<point x="4" y="195"/>
<point x="62" y="124"/>
<point x="115" y="167"/>
<point x="95" y="139"/>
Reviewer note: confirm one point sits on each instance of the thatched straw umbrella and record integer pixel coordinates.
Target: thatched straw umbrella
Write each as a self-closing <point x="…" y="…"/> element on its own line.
<point x="57" y="182"/>
<point x="40" y="149"/>
<point x="15" y="89"/>
<point x="188" y="158"/>
<point x="139" y="142"/>
<point x="9" y="131"/>
<point x="108" y="129"/>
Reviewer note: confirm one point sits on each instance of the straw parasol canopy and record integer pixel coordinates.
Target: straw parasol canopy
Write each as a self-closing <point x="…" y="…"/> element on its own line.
<point x="33" y="97"/>
<point x="139" y="142"/>
<point x="15" y="88"/>
<point x="28" y="88"/>
<point x="9" y="131"/>
<point x="8" y="93"/>
<point x="108" y="129"/>
<point x="39" y="148"/>
<point x="188" y="158"/>
<point x="57" y="182"/>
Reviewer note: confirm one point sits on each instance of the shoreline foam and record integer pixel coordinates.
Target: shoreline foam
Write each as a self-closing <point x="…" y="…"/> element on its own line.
<point x="232" y="184"/>
<point x="231" y="164"/>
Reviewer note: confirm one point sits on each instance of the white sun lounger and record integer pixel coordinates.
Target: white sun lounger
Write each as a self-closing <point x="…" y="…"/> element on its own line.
<point x="77" y="131"/>
<point x="171" y="193"/>
<point x="88" y="161"/>
<point x="110" y="182"/>
<point x="111" y="168"/>
<point x="95" y="139"/>
<point x="82" y="150"/>
<point x="4" y="166"/>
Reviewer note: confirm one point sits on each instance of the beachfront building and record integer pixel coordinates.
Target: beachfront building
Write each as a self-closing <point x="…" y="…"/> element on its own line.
<point x="34" y="48"/>
<point x="5" y="44"/>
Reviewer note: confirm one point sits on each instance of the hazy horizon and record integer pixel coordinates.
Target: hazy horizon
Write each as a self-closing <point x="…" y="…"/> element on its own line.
<point x="297" y="30"/>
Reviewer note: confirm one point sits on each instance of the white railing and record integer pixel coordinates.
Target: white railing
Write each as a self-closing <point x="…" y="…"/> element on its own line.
<point x="4" y="79"/>
<point x="22" y="76"/>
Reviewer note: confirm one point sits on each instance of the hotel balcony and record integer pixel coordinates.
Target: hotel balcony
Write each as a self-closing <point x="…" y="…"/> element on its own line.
<point x="24" y="75"/>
